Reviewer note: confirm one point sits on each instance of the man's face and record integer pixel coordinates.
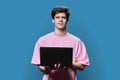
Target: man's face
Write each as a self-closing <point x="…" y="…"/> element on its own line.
<point x="60" y="21"/>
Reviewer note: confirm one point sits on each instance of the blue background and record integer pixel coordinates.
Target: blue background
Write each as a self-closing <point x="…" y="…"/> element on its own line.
<point x="96" y="22"/>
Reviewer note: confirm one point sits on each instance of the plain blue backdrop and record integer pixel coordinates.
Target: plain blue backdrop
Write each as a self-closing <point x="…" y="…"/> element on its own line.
<point x="96" y="22"/>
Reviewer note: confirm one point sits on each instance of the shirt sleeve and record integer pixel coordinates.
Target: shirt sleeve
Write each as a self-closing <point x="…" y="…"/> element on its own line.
<point x="81" y="55"/>
<point x="36" y="55"/>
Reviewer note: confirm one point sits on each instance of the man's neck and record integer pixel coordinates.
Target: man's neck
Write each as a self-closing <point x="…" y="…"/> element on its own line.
<point x="60" y="32"/>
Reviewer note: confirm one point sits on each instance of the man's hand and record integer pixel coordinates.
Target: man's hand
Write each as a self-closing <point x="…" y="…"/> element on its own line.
<point x="78" y="66"/>
<point x="47" y="69"/>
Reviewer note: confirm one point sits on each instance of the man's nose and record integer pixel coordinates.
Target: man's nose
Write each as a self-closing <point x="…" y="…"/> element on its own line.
<point x="61" y="19"/>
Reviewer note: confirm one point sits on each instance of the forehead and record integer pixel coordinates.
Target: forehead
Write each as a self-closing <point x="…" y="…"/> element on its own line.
<point x="60" y="14"/>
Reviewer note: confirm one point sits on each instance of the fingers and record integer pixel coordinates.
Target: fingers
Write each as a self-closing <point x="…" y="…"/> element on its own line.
<point x="57" y="66"/>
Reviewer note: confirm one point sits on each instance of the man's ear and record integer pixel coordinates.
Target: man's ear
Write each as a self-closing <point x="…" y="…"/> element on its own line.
<point x="52" y="20"/>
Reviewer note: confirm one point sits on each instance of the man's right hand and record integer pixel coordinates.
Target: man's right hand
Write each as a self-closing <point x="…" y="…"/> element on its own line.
<point x="45" y="69"/>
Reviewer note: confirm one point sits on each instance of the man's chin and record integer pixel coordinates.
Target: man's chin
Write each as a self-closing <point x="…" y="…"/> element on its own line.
<point x="62" y="29"/>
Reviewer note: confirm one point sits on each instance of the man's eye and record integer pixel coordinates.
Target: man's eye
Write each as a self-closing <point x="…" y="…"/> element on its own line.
<point x="57" y="17"/>
<point x="64" y="17"/>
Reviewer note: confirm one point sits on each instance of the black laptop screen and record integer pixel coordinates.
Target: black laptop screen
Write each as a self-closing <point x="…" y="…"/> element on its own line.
<point x="54" y="55"/>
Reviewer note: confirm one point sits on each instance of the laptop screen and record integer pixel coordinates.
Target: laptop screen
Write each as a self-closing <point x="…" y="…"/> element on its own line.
<point x="54" y="55"/>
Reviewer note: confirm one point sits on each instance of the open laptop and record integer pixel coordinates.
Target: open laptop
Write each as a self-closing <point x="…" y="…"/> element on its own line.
<point x="54" y="55"/>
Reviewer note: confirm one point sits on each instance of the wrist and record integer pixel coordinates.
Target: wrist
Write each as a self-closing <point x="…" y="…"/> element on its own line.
<point x="45" y="70"/>
<point x="74" y="65"/>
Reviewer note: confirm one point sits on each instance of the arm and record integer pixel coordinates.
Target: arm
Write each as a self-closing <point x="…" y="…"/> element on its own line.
<point x="81" y="58"/>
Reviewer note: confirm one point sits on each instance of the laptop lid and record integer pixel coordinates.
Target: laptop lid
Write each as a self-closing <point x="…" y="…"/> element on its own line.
<point x="54" y="55"/>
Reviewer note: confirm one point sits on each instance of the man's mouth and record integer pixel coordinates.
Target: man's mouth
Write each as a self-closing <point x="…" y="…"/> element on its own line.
<point x="60" y="23"/>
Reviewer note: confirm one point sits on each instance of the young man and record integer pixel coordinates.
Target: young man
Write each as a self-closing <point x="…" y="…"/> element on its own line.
<point x="60" y="38"/>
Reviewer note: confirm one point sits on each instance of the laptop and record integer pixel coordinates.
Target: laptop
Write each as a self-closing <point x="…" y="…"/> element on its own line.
<point x="54" y="55"/>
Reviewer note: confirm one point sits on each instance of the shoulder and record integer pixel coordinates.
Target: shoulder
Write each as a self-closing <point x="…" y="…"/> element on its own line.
<point x="73" y="37"/>
<point x="45" y="37"/>
<point x="76" y="39"/>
